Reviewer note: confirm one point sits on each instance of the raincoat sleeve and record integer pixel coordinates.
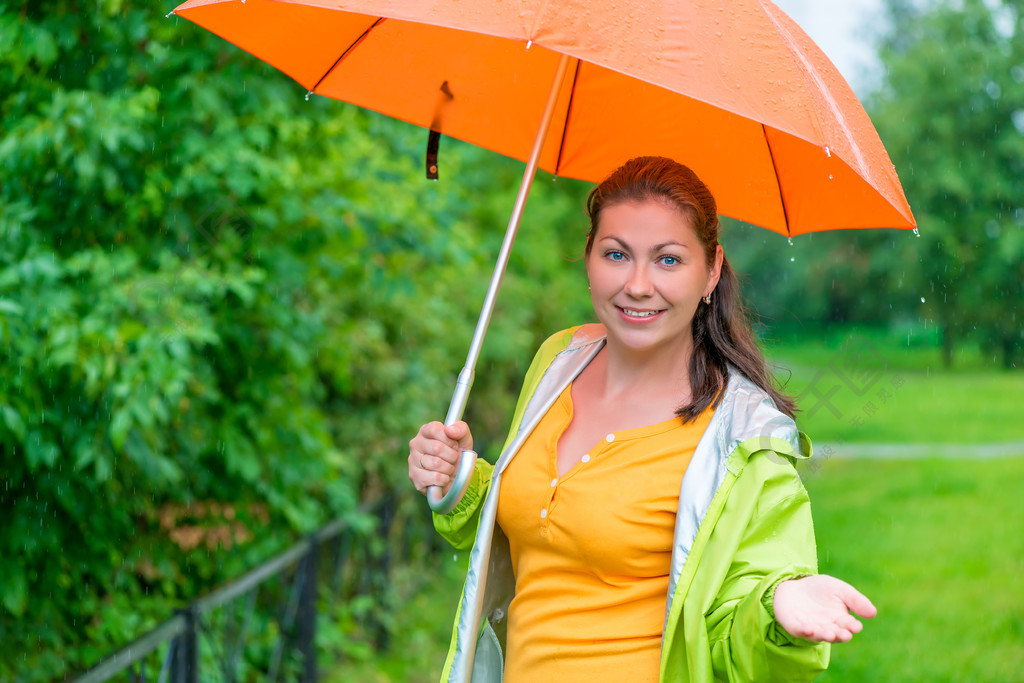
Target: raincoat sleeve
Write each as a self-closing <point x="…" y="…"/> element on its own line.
<point x="777" y="544"/>
<point x="459" y="526"/>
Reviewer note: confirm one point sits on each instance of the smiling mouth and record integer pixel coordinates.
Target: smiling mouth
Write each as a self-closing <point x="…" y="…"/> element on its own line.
<point x="633" y="313"/>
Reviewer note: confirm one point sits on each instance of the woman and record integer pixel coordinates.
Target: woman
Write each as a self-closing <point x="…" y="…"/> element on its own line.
<point x="650" y="523"/>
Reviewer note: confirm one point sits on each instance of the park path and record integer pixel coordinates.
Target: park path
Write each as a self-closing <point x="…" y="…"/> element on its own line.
<point x="898" y="451"/>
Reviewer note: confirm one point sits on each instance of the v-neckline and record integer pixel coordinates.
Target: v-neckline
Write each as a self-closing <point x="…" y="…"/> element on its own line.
<point x="601" y="444"/>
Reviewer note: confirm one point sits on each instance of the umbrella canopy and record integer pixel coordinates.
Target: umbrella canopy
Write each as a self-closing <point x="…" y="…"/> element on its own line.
<point x="735" y="90"/>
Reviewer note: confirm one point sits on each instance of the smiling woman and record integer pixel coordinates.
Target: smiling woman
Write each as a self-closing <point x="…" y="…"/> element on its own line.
<point x="644" y="520"/>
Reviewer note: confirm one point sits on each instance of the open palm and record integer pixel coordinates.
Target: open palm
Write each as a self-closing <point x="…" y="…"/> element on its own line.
<point x="819" y="608"/>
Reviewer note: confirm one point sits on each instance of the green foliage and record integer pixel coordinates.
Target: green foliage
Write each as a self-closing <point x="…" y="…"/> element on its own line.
<point x="951" y="113"/>
<point x="223" y="312"/>
<point x="950" y="110"/>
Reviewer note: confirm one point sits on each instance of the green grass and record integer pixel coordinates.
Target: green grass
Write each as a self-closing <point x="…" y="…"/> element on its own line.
<point x="863" y="386"/>
<point x="938" y="546"/>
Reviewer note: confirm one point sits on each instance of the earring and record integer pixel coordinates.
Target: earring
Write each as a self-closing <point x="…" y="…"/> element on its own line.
<point x="707" y="299"/>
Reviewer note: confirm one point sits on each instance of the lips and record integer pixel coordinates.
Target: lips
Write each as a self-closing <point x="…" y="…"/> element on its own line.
<point x="634" y="314"/>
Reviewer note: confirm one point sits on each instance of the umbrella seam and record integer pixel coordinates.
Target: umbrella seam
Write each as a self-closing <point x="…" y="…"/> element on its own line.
<point x="568" y="115"/>
<point x="782" y="197"/>
<point x="344" y="54"/>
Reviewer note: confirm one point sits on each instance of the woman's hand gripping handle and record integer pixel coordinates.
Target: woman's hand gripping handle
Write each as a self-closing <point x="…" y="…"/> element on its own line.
<point x="441" y="461"/>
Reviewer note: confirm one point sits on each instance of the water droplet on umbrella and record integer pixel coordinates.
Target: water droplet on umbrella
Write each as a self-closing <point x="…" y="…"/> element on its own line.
<point x="916" y="233"/>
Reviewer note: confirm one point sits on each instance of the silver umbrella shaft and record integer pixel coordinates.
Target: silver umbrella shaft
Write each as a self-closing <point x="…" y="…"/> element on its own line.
<point x="445" y="504"/>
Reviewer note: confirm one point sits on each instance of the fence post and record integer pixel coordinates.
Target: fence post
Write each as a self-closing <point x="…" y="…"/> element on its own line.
<point x="306" y="635"/>
<point x="185" y="665"/>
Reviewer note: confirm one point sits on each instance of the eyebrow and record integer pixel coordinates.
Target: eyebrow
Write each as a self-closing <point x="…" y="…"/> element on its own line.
<point x="656" y="247"/>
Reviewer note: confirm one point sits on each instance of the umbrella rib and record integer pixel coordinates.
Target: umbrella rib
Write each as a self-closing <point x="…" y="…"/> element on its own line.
<point x="344" y="54"/>
<point x="775" y="168"/>
<point x="568" y="115"/>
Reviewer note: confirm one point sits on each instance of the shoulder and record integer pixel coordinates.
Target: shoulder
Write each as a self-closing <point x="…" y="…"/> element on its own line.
<point x="569" y="338"/>
<point x="750" y="422"/>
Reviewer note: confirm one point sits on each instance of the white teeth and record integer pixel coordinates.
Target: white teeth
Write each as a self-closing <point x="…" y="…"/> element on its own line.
<point x="638" y="314"/>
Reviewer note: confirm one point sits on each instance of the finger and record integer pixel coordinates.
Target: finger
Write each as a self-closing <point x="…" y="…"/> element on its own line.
<point x="435" y="431"/>
<point x="424" y="479"/>
<point x="850" y="624"/>
<point x="841" y="635"/>
<point x="433" y="463"/>
<point x="460" y="434"/>
<point x="437" y="449"/>
<point x="858" y="603"/>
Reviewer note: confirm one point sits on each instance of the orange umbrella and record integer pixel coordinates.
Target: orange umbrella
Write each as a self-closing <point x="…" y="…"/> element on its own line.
<point x="735" y="90"/>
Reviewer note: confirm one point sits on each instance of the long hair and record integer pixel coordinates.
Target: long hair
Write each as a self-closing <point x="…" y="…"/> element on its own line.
<point x="722" y="334"/>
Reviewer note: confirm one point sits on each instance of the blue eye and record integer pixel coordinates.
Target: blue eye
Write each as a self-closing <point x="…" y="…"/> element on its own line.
<point x="614" y="255"/>
<point x="669" y="260"/>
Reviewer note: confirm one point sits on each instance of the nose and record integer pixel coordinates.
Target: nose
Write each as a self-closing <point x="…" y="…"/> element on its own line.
<point x="639" y="284"/>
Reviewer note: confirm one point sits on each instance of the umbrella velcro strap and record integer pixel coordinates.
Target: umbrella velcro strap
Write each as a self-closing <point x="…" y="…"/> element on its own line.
<point x="433" y="142"/>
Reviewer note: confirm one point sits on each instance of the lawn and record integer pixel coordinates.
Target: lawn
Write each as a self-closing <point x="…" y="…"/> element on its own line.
<point x="865" y="386"/>
<point x="938" y="546"/>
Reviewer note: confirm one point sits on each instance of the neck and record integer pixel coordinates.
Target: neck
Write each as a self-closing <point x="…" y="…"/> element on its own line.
<point x="653" y="371"/>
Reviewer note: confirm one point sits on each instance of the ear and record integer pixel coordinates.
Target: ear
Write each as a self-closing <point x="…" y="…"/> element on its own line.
<point x="716" y="270"/>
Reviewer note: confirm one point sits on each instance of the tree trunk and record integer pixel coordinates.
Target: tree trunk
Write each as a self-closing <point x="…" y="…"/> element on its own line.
<point x="947" y="346"/>
<point x="1012" y="351"/>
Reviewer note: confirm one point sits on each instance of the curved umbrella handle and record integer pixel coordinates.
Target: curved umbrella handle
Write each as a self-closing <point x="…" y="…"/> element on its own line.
<point x="442" y="505"/>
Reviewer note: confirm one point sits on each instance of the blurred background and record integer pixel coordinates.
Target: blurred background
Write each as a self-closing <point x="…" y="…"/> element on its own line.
<point x="224" y="310"/>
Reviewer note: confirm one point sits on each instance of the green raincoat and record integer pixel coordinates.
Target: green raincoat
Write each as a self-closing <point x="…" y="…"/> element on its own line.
<point x="743" y="526"/>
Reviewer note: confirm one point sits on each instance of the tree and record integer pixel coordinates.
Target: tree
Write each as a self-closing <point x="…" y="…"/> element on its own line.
<point x="951" y="113"/>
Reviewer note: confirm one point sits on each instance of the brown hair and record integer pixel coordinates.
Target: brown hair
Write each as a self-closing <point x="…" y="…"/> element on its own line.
<point x="722" y="334"/>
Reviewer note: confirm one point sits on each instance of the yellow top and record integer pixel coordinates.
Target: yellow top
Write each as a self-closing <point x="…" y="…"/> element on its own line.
<point x="591" y="550"/>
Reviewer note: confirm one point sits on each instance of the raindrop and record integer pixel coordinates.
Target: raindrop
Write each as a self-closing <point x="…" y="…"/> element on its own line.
<point x="792" y="259"/>
<point x="830" y="176"/>
<point x="529" y="44"/>
<point x="828" y="153"/>
<point x="1018" y="120"/>
<point x="922" y="299"/>
<point x="916" y="233"/>
<point x="308" y="94"/>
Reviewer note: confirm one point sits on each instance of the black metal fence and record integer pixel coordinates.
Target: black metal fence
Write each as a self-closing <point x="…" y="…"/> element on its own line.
<point x="263" y="624"/>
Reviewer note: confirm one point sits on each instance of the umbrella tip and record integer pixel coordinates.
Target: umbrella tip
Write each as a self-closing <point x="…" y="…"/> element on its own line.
<point x="790" y="239"/>
<point x="308" y="93"/>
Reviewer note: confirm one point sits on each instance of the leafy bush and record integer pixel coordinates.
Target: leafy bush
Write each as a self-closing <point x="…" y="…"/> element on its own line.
<point x="223" y="312"/>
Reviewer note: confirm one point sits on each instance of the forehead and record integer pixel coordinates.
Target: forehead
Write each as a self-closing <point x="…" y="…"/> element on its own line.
<point x="656" y="219"/>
